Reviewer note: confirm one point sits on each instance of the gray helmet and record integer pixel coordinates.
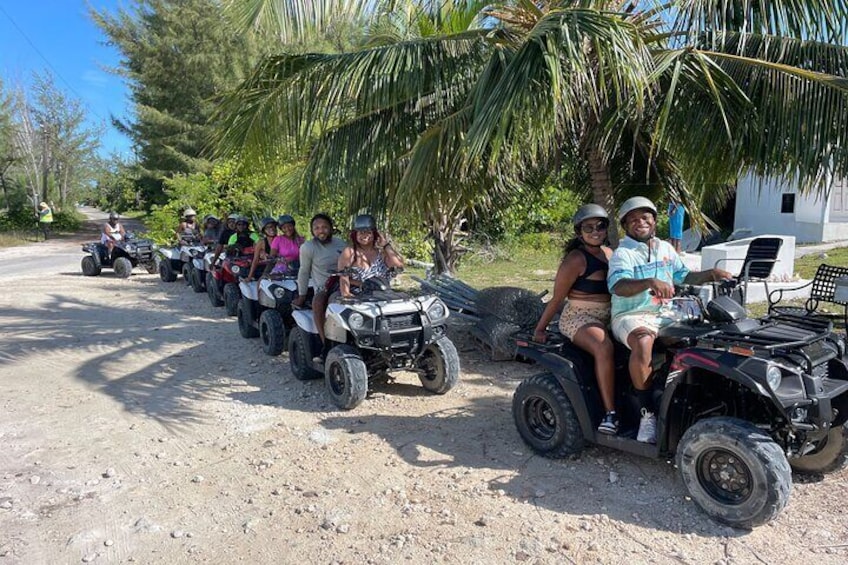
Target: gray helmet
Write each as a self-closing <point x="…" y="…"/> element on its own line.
<point x="364" y="222"/>
<point x="242" y="220"/>
<point x="285" y="219"/>
<point x="231" y="216"/>
<point x="113" y="215"/>
<point x="266" y="222"/>
<point x="586" y="212"/>
<point x="211" y="218"/>
<point x="636" y="203"/>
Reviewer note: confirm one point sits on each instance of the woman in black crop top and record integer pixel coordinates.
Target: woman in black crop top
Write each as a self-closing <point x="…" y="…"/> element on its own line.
<point x="582" y="280"/>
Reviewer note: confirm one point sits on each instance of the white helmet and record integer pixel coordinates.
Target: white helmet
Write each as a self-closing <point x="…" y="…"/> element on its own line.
<point x="636" y="203"/>
<point x="189" y="212"/>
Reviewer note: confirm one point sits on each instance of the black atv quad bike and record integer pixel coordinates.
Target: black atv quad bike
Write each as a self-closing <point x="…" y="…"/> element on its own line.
<point x="740" y="402"/>
<point x="125" y="256"/>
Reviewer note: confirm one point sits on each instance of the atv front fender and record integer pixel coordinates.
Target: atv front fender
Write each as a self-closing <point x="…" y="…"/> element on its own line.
<point x="250" y="290"/>
<point x="305" y="321"/>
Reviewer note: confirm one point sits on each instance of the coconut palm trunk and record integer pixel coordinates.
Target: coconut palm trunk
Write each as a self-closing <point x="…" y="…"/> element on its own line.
<point x="602" y="191"/>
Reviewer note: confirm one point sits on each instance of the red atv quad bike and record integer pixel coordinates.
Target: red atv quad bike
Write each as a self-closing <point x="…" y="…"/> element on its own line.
<point x="222" y="280"/>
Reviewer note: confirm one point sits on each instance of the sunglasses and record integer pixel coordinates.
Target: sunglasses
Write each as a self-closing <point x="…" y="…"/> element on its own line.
<point x="590" y="228"/>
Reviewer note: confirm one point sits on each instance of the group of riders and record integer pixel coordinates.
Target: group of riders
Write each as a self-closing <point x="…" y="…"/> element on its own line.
<point x="624" y="293"/>
<point x="278" y="249"/>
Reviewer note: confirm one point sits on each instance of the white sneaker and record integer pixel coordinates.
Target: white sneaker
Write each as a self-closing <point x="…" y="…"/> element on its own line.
<point x="647" y="427"/>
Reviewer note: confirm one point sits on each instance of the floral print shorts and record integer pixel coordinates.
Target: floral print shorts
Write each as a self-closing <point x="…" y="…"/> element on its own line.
<point x="579" y="313"/>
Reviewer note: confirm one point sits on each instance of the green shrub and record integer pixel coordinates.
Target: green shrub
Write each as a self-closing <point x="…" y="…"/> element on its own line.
<point x="17" y="219"/>
<point x="67" y="220"/>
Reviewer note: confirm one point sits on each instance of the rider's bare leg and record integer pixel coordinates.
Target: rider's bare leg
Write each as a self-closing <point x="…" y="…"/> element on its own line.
<point x="596" y="341"/>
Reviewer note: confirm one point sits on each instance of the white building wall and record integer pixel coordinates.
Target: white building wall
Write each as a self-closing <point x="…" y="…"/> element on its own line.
<point x="758" y="208"/>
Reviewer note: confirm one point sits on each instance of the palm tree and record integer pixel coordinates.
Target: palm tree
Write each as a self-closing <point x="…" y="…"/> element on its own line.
<point x="677" y="99"/>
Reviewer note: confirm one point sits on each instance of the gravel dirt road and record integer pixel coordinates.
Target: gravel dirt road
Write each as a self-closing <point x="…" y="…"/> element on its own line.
<point x="136" y="425"/>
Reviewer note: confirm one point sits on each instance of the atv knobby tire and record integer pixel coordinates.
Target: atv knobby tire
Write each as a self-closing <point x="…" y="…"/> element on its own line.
<point x="246" y="319"/>
<point x="212" y="291"/>
<point x="346" y="376"/>
<point x="439" y="364"/>
<point x="166" y="272"/>
<point x="152" y="268"/>
<point x="123" y="267"/>
<point x="300" y="355"/>
<point x="545" y="417"/>
<point x="830" y="457"/>
<point x="196" y="281"/>
<point x="511" y="304"/>
<point x="272" y="332"/>
<point x="186" y="272"/>
<point x="90" y="266"/>
<point x="232" y="295"/>
<point x="734" y="471"/>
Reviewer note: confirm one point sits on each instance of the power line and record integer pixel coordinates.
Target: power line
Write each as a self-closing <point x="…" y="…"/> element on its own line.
<point x="52" y="68"/>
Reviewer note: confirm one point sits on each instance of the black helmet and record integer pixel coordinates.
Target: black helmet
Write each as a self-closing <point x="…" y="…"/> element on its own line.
<point x="586" y="212"/>
<point x="285" y="219"/>
<point x="364" y="222"/>
<point x="266" y="222"/>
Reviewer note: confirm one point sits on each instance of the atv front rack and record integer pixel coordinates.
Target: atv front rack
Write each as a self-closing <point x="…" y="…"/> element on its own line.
<point x="779" y="335"/>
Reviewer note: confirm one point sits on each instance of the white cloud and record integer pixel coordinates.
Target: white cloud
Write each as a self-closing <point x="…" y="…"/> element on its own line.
<point x="95" y="78"/>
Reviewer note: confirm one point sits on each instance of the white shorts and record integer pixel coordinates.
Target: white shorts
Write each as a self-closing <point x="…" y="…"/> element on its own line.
<point x="624" y="325"/>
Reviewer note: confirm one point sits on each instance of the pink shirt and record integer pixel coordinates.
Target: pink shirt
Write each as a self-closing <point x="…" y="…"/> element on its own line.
<point x="287" y="248"/>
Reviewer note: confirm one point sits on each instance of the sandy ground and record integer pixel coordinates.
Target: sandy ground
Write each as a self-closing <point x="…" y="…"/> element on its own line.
<point x="136" y="425"/>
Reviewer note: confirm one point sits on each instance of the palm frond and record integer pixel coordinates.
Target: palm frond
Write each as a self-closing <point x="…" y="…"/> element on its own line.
<point x="573" y="62"/>
<point x="823" y="20"/>
<point x="291" y="97"/>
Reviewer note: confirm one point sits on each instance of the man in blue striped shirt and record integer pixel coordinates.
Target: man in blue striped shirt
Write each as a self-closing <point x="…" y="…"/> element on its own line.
<point x="642" y="274"/>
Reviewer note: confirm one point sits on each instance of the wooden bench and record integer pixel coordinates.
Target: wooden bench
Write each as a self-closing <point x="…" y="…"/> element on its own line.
<point x="822" y="291"/>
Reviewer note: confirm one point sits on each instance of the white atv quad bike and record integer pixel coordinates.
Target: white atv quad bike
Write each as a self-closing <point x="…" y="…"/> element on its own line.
<point x="178" y="260"/>
<point x="371" y="335"/>
<point x="265" y="310"/>
<point x="200" y="264"/>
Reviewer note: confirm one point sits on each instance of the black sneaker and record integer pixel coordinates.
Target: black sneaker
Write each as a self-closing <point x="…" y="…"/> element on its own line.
<point x="609" y="425"/>
<point x="322" y="357"/>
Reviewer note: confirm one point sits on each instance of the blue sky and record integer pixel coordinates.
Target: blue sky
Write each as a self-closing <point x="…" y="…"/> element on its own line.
<point x="58" y="36"/>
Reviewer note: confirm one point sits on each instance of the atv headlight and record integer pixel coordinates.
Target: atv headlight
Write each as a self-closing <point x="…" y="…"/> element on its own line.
<point x="279" y="292"/>
<point x="154" y="247"/>
<point x="773" y="377"/>
<point x="130" y="247"/>
<point x="235" y="269"/>
<point x="356" y="321"/>
<point x="437" y="311"/>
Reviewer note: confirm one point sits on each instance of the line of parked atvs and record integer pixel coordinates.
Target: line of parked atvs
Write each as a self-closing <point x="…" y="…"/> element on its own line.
<point x="741" y="402"/>
<point x="377" y="332"/>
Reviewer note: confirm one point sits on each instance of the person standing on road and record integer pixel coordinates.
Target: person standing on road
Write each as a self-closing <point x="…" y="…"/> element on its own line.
<point x="676" y="215"/>
<point x="642" y="274"/>
<point x="318" y="258"/>
<point x="581" y="282"/>
<point x="45" y="219"/>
